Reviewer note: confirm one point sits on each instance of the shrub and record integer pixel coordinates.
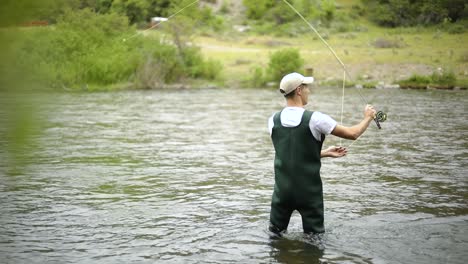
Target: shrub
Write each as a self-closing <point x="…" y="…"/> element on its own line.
<point x="455" y="28"/>
<point x="86" y="48"/>
<point x="439" y="78"/>
<point x="416" y="79"/>
<point x="283" y="62"/>
<point x="397" y="13"/>
<point x="158" y="65"/>
<point x="446" y="78"/>
<point x="257" y="78"/>
<point x="198" y="67"/>
<point x="277" y="13"/>
<point x="82" y="48"/>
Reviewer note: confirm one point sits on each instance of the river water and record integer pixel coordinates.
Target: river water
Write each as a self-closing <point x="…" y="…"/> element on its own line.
<point x="186" y="176"/>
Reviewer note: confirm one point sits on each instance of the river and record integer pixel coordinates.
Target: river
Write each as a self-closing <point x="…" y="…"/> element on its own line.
<point x="186" y="176"/>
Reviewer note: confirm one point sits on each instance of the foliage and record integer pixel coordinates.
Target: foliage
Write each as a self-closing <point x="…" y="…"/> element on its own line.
<point x="257" y="78"/>
<point x="14" y="12"/>
<point x="278" y="12"/>
<point x="87" y="49"/>
<point x="283" y="62"/>
<point x="83" y="48"/>
<point x="394" y="13"/>
<point x="454" y="28"/>
<point x="256" y="9"/>
<point x="140" y="11"/>
<point x="135" y="10"/>
<point x="444" y="78"/>
<point x="438" y="78"/>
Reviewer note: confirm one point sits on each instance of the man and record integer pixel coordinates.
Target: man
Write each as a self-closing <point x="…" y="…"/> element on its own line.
<point x="298" y="136"/>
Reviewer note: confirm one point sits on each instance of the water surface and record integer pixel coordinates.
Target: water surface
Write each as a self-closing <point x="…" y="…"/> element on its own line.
<point x="186" y="177"/>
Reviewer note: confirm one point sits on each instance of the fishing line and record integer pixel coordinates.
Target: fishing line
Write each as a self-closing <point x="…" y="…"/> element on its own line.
<point x="382" y="114"/>
<point x="342" y="103"/>
<point x="157" y="24"/>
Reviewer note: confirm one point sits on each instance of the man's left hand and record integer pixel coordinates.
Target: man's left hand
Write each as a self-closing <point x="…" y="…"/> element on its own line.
<point x="334" y="152"/>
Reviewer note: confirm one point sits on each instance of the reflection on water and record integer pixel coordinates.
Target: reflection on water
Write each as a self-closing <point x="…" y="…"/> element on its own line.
<point x="297" y="249"/>
<point x="187" y="176"/>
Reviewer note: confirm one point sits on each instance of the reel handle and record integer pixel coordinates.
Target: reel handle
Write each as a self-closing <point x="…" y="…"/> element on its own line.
<point x="377" y="123"/>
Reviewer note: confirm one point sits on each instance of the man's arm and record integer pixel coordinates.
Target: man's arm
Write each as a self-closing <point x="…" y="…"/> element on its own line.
<point x="354" y="132"/>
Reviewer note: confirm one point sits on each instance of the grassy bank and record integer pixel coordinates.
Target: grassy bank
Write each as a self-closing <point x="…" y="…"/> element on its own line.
<point x="376" y="55"/>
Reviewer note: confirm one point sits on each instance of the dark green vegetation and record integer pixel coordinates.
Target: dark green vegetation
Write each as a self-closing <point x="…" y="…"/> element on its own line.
<point x="396" y="13"/>
<point x="270" y="16"/>
<point x="95" y="49"/>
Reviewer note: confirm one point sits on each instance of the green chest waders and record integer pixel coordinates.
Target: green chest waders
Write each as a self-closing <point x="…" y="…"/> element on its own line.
<point x="298" y="185"/>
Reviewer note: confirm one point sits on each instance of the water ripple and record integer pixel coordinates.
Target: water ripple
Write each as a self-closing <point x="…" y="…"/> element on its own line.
<point x="178" y="177"/>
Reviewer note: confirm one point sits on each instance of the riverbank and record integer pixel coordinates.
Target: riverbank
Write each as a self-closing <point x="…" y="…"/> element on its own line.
<point x="374" y="58"/>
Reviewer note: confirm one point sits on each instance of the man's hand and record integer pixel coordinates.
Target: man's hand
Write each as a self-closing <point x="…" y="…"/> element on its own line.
<point x="369" y="111"/>
<point x="334" y="152"/>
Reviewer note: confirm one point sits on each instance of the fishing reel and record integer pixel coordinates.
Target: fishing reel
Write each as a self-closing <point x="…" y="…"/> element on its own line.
<point x="380" y="116"/>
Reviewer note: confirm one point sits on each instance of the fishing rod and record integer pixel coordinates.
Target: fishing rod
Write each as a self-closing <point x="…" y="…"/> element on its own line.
<point x="380" y="116"/>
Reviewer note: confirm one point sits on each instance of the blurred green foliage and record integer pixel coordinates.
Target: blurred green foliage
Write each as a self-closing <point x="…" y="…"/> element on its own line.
<point x="395" y="13"/>
<point x="274" y="16"/>
<point x="85" y="50"/>
<point x="440" y="78"/>
<point x="283" y="62"/>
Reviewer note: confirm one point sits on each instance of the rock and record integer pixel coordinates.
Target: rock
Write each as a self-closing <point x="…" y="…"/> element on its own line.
<point x="241" y="28"/>
<point x="382" y="85"/>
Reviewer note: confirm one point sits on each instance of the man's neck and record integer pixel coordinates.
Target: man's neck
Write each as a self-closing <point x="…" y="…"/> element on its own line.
<point x="294" y="103"/>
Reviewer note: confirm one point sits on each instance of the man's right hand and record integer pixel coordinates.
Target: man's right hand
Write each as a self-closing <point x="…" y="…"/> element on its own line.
<point x="369" y="111"/>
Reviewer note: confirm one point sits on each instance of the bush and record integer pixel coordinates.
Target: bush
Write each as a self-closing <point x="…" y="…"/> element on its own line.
<point x="86" y="48"/>
<point x="445" y="78"/>
<point x="397" y="13"/>
<point x="277" y="13"/>
<point x="283" y="62"/>
<point x="439" y="78"/>
<point x="455" y="28"/>
<point x="197" y="67"/>
<point x="82" y="48"/>
<point x="416" y="79"/>
<point x="158" y="65"/>
<point x="257" y="78"/>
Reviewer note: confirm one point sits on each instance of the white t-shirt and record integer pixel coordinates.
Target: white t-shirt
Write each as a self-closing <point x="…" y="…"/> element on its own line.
<point x="319" y="123"/>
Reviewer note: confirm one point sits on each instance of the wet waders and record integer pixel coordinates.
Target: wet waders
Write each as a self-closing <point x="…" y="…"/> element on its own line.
<point x="298" y="185"/>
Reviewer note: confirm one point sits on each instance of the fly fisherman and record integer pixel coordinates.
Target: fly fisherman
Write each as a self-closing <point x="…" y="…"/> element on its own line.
<point x="298" y="136"/>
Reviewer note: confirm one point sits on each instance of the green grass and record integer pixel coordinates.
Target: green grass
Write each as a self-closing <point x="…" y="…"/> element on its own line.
<point x="421" y="51"/>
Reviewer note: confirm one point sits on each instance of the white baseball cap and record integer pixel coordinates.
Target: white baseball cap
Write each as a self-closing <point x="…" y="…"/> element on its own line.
<point x="291" y="81"/>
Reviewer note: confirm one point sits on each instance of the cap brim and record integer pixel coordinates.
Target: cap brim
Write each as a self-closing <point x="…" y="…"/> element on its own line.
<point x="308" y="80"/>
